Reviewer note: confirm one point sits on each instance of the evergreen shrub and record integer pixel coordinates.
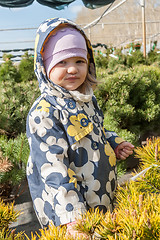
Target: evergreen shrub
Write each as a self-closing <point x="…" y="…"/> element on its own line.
<point x="8" y="72"/>
<point x="136" y="58"/>
<point x="101" y="61"/>
<point x="26" y="68"/>
<point x="153" y="57"/>
<point x="7" y="215"/>
<point x="16" y="151"/>
<point x="131" y="99"/>
<point x="11" y="235"/>
<point x="16" y="100"/>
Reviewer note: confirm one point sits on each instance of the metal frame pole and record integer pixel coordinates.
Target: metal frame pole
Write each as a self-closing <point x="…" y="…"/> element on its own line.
<point x="142" y="3"/>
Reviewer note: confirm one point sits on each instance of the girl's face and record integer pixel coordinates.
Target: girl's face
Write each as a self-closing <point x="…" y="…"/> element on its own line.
<point x="69" y="73"/>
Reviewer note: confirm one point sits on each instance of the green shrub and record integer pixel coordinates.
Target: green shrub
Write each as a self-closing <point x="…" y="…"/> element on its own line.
<point x="26" y="68"/>
<point x="131" y="99"/>
<point x="136" y="58"/>
<point x="7" y="215"/>
<point x="152" y="57"/>
<point x="112" y="63"/>
<point x="112" y="125"/>
<point x="10" y="235"/>
<point x="101" y="61"/>
<point x="16" y="100"/>
<point x="16" y="151"/>
<point x="8" y="72"/>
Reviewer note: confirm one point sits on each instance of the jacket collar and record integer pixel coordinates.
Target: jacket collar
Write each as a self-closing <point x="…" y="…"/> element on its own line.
<point x="55" y="90"/>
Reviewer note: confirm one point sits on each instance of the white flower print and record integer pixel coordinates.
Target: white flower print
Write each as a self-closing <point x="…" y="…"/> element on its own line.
<point x="48" y="194"/>
<point x="91" y="197"/>
<point x="109" y="189"/>
<point x="40" y="123"/>
<point x="51" y="142"/>
<point x="65" y="117"/>
<point x="56" y="113"/>
<point x="68" y="205"/>
<point x="60" y="101"/>
<point x="110" y="134"/>
<point x="29" y="169"/>
<point x="56" y="167"/>
<point x="105" y="200"/>
<point x="39" y="206"/>
<point x="53" y="92"/>
<point x="93" y="184"/>
<point x="86" y="143"/>
<point x="44" y="26"/>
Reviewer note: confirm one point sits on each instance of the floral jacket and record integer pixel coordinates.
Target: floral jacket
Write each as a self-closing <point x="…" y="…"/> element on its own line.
<point x="72" y="165"/>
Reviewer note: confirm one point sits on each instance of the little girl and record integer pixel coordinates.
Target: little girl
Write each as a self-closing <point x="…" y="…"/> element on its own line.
<point x="72" y="163"/>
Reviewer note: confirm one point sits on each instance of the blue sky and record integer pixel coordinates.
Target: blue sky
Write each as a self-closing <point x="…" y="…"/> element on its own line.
<point x="28" y="17"/>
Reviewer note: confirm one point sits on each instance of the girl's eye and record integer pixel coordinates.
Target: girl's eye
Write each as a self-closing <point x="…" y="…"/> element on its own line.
<point x="81" y="61"/>
<point x="61" y="63"/>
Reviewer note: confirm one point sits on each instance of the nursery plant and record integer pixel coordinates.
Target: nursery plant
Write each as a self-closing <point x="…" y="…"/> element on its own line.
<point x="8" y="72"/>
<point x="11" y="235"/>
<point x="148" y="179"/>
<point x="26" y="68"/>
<point x="7" y="215"/>
<point x="131" y="99"/>
<point x="52" y="233"/>
<point x="14" y="155"/>
<point x="16" y="100"/>
<point x="135" y="217"/>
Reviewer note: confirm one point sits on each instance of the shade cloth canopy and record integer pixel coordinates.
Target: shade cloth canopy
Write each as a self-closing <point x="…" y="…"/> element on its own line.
<point x="56" y="4"/>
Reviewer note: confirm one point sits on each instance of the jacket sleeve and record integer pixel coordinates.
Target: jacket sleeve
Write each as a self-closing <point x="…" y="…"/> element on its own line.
<point x="53" y="185"/>
<point x="113" y="139"/>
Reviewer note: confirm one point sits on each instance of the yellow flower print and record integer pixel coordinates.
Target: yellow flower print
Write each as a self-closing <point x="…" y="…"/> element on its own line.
<point x="118" y="140"/>
<point x="72" y="177"/>
<point x="81" y="126"/>
<point x="110" y="153"/>
<point x="43" y="106"/>
<point x="35" y="50"/>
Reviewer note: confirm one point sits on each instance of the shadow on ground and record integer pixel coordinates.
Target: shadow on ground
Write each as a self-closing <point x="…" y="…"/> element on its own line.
<point x="27" y="221"/>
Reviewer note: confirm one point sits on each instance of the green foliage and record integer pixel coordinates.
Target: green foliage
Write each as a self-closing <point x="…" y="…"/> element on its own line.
<point x="131" y="98"/>
<point x="150" y="181"/>
<point x="122" y="62"/>
<point x="10" y="235"/>
<point x="111" y="124"/>
<point x="89" y="222"/>
<point x="16" y="100"/>
<point x="136" y="58"/>
<point x="7" y="215"/>
<point x="17" y="152"/>
<point x="101" y="61"/>
<point x="153" y="57"/>
<point x="52" y="233"/>
<point x="136" y="217"/>
<point x="150" y="153"/>
<point x="8" y="72"/>
<point x="149" y="156"/>
<point x="18" y="90"/>
<point x="26" y="68"/>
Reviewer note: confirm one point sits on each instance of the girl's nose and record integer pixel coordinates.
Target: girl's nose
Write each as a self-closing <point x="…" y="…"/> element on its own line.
<point x="72" y="69"/>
